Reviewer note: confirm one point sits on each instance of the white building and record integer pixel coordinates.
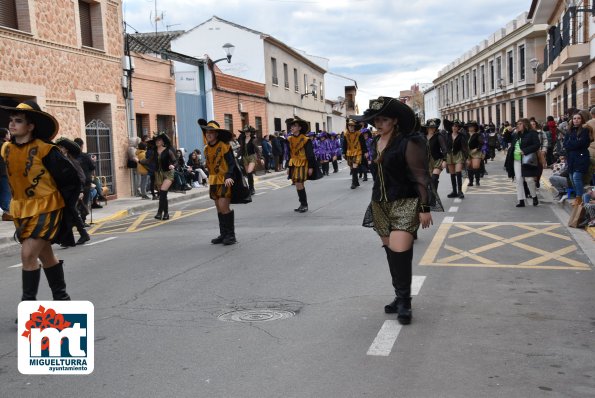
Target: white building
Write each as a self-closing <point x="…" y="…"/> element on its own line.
<point x="431" y="109"/>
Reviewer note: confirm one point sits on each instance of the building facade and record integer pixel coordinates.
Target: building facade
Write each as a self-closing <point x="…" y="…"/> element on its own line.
<point x="431" y="109"/>
<point x="494" y="81"/>
<point x="566" y="63"/>
<point x="67" y="56"/>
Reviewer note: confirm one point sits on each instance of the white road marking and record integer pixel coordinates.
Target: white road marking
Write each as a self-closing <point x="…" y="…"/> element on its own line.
<point x="100" y="241"/>
<point x="448" y="220"/>
<point x="416" y="283"/>
<point x="385" y="339"/>
<point x="16" y="266"/>
<point x="453" y="209"/>
<point x="457" y="200"/>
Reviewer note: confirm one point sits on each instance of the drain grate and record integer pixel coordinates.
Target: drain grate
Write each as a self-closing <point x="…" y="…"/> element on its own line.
<point x="256" y="315"/>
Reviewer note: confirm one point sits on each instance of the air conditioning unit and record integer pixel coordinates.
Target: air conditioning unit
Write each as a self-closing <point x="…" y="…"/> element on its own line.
<point x="241" y="107"/>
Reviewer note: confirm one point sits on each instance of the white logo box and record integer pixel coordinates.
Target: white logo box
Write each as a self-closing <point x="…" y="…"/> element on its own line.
<point x="42" y="325"/>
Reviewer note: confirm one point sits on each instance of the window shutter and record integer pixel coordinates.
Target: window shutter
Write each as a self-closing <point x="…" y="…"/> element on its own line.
<point x="85" y="17"/>
<point x="8" y="14"/>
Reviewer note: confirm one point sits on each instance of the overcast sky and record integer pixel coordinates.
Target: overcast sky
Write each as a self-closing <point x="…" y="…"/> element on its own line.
<point x="385" y="45"/>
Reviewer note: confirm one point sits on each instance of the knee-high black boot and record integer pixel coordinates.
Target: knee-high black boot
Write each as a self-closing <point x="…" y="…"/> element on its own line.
<point x="251" y="183"/>
<point x="460" y="184"/>
<point x="477" y="177"/>
<point x="435" y="180"/>
<point x="303" y="201"/>
<point x="400" y="269"/>
<point x="354" y="179"/>
<point x="160" y="208"/>
<point x="335" y="166"/>
<point x="230" y="234"/>
<point x="219" y="239"/>
<point x="30" y="284"/>
<point x="55" y="276"/>
<point x="470" y="174"/>
<point x="164" y="204"/>
<point x="453" y="181"/>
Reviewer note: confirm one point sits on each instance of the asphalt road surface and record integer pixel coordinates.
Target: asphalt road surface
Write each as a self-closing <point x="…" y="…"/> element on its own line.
<point x="503" y="306"/>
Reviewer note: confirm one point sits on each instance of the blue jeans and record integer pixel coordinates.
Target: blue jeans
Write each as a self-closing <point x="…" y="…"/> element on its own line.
<point x="4" y="194"/>
<point x="577" y="183"/>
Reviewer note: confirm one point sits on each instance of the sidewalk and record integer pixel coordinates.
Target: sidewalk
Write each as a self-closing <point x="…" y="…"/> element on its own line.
<point x="118" y="208"/>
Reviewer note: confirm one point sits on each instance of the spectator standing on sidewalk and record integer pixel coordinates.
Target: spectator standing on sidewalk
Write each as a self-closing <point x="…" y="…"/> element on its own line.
<point x="267" y="153"/>
<point x="141" y="168"/>
<point x="4" y="187"/>
<point x="524" y="142"/>
<point x="277" y="151"/>
<point x="87" y="163"/>
<point x="40" y="177"/>
<point x="576" y="143"/>
<point x="401" y="193"/>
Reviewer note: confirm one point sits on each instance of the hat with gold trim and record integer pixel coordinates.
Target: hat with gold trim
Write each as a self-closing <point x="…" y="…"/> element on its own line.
<point x="46" y="126"/>
<point x="213" y="126"/>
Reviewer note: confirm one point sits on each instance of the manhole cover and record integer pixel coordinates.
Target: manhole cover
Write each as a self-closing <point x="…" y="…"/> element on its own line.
<point x="257" y="315"/>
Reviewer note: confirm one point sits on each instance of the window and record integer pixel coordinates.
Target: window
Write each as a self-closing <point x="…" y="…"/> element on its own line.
<point x="315" y="94"/>
<point x="274" y="71"/>
<point x="463" y="87"/>
<point x="306" y="88"/>
<point x="295" y="80"/>
<point x="498" y="116"/>
<point x="258" y="125"/>
<point x="522" y="62"/>
<point x="457" y="87"/>
<point x="321" y="92"/>
<point x="474" y="82"/>
<point x="286" y="76"/>
<point x="90" y="23"/>
<point x="573" y="94"/>
<point x="510" y="68"/>
<point x="512" y="111"/>
<point x="277" y="123"/>
<point x="521" y="109"/>
<point x="468" y="86"/>
<point x="498" y="70"/>
<point x="8" y="14"/>
<point x="228" y="121"/>
<point x="14" y="14"/>
<point x="483" y="78"/>
<point x="491" y="75"/>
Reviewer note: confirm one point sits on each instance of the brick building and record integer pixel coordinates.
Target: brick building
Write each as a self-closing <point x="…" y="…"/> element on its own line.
<point x="66" y="55"/>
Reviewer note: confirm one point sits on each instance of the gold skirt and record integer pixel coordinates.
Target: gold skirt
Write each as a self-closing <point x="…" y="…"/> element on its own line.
<point x="435" y="164"/>
<point x="247" y="159"/>
<point x="399" y="215"/>
<point x="162" y="176"/>
<point x="353" y="160"/>
<point x="42" y="226"/>
<point x="458" y="158"/>
<point x="298" y="174"/>
<point x="218" y="191"/>
<point x="476" y="154"/>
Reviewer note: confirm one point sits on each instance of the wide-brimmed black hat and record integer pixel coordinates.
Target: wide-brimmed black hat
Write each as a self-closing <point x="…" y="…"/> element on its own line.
<point x="304" y="125"/>
<point x="164" y="137"/>
<point x="72" y="147"/>
<point x="46" y="126"/>
<point x="473" y="123"/>
<point x="390" y="107"/>
<point x="213" y="126"/>
<point x="433" y="123"/>
<point x="248" y="130"/>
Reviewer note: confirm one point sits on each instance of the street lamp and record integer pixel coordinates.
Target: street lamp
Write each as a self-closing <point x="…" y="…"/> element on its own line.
<point x="229" y="51"/>
<point x="312" y="91"/>
<point x="534" y="63"/>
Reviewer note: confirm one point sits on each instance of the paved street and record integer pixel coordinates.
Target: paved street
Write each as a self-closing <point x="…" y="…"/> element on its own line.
<point x="503" y="305"/>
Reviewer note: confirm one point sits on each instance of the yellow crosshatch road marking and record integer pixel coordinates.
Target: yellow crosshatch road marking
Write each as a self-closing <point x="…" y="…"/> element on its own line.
<point x="140" y="222"/>
<point x="493" y="185"/>
<point x="503" y="245"/>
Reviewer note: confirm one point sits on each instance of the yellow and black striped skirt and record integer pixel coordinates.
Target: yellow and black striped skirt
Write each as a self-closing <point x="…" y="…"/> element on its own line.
<point x="42" y="226"/>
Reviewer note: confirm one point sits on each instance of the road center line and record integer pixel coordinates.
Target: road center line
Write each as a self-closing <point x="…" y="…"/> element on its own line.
<point x="385" y="339"/>
<point x="101" y="241"/>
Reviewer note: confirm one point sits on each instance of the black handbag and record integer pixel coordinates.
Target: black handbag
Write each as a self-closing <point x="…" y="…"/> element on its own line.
<point x="131" y="164"/>
<point x="530" y="160"/>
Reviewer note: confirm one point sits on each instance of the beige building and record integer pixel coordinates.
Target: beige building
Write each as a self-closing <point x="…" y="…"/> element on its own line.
<point x="494" y="81"/>
<point x="66" y="55"/>
<point x="566" y="64"/>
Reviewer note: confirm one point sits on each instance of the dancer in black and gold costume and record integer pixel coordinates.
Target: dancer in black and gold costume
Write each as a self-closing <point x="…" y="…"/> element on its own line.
<point x="302" y="161"/>
<point x="457" y="156"/>
<point x="476" y="156"/>
<point x="438" y="149"/>
<point x="40" y="177"/>
<point x="250" y="153"/>
<point x="221" y="165"/>
<point x="354" y="149"/>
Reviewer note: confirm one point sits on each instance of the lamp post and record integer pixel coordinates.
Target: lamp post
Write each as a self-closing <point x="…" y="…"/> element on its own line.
<point x="228" y="48"/>
<point x="312" y="91"/>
